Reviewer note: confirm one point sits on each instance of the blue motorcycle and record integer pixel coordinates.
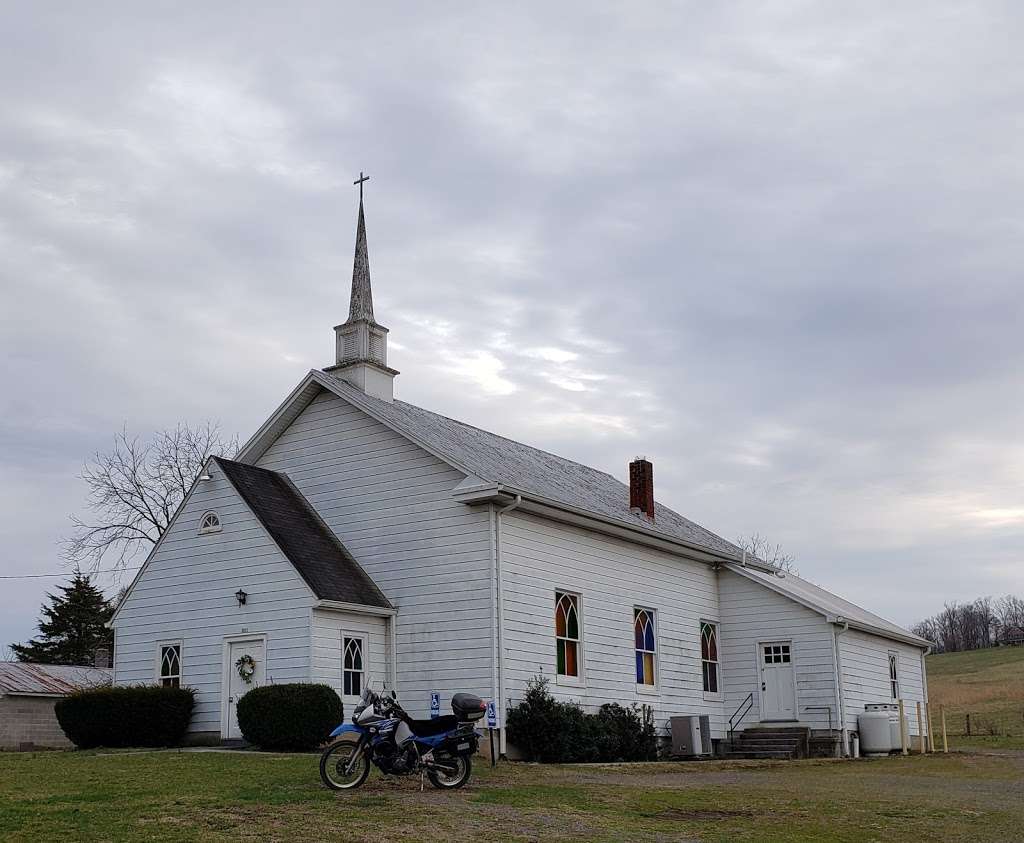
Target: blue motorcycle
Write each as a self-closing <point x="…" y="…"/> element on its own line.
<point x="383" y="733"/>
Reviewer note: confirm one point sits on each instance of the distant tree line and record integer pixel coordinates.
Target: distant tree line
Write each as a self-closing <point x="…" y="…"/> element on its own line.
<point x="985" y="622"/>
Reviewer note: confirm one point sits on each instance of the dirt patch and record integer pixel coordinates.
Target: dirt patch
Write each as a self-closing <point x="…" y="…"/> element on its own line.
<point x="700" y="814"/>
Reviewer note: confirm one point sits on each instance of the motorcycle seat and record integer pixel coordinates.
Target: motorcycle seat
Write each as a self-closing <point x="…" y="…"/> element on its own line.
<point x="434" y="726"/>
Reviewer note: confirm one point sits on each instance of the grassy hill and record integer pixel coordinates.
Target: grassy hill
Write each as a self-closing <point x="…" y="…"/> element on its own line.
<point x="986" y="684"/>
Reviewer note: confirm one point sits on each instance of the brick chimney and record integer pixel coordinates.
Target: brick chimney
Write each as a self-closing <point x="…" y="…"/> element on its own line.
<point x="101" y="658"/>
<point x="641" y="487"/>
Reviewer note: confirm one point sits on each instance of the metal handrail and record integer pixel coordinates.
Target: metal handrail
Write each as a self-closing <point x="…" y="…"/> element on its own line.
<point x="740" y="713"/>
<point x="827" y="708"/>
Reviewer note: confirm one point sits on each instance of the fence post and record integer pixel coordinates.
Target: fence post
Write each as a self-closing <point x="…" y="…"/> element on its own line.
<point x="931" y="729"/>
<point x="945" y="742"/>
<point x="903" y="728"/>
<point x="920" y="729"/>
<point x="968" y="725"/>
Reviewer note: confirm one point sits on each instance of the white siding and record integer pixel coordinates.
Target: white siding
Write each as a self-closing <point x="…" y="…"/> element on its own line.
<point x="753" y="613"/>
<point x="329" y="627"/>
<point x="390" y="503"/>
<point x="187" y="594"/>
<point x="864" y="659"/>
<point x="612" y="577"/>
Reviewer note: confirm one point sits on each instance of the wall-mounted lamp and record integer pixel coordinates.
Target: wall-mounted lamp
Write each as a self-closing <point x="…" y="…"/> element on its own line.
<point x="241" y="596"/>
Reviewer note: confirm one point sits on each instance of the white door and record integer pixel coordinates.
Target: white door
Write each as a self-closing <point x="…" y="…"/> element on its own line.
<point x="778" y="689"/>
<point x="237" y="686"/>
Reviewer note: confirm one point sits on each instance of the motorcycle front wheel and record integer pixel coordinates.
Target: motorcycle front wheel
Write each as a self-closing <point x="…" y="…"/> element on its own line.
<point x="444" y="780"/>
<point x="338" y="770"/>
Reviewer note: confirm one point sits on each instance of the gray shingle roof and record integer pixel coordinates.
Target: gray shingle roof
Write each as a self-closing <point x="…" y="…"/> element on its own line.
<point x="530" y="470"/>
<point x="317" y="554"/>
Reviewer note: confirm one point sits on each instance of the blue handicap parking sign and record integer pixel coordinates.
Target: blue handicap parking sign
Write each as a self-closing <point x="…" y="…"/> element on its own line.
<point x="492" y="715"/>
<point x="435" y="704"/>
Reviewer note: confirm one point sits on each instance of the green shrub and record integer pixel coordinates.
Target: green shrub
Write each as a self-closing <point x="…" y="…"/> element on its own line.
<point x="291" y="717"/>
<point x="132" y="715"/>
<point x="547" y="730"/>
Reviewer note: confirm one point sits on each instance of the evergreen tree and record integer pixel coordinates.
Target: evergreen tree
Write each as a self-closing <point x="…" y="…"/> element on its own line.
<point x="72" y="626"/>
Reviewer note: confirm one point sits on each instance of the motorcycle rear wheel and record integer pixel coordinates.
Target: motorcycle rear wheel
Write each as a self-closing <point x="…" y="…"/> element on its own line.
<point x="336" y="758"/>
<point x="451" y="781"/>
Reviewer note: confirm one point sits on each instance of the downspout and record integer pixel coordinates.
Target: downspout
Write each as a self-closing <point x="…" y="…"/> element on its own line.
<point x="500" y="593"/>
<point x="924" y="693"/>
<point x="393" y="645"/>
<point x="839" y="685"/>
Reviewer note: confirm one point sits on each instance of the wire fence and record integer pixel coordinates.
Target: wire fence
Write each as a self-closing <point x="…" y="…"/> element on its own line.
<point x="980" y="724"/>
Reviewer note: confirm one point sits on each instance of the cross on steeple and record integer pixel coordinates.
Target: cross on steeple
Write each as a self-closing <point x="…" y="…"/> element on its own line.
<point x="360" y="181"/>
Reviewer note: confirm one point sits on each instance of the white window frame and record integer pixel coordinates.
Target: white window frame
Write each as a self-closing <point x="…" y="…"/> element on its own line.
<point x="203" y="529"/>
<point x="717" y="627"/>
<point x="642" y="688"/>
<point x="892" y="664"/>
<point x="560" y="678"/>
<point x="363" y="640"/>
<point x="160" y="646"/>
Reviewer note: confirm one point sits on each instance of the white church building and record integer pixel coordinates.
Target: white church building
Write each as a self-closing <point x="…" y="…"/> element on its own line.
<point x="356" y="538"/>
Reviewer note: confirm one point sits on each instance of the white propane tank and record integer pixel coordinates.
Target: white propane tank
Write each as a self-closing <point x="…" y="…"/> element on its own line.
<point x="893" y="710"/>
<point x="875" y="732"/>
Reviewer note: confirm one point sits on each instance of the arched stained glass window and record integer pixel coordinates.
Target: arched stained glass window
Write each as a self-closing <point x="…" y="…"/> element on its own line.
<point x="352" y="666"/>
<point x="644" y="642"/>
<point x="709" y="656"/>
<point x="567" y="634"/>
<point x="209" y="523"/>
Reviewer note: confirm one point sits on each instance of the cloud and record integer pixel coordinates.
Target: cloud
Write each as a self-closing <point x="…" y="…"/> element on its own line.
<point x="775" y="248"/>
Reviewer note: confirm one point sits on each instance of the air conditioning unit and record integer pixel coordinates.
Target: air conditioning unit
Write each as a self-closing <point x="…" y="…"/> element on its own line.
<point x="691" y="735"/>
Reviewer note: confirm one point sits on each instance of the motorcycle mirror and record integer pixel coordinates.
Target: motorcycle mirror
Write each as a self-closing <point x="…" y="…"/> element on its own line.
<point x="394" y="696"/>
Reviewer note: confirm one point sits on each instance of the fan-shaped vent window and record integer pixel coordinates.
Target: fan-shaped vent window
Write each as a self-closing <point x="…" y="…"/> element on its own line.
<point x="210" y="523"/>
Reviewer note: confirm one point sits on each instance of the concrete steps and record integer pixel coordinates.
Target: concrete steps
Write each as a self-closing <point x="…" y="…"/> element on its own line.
<point x="780" y="742"/>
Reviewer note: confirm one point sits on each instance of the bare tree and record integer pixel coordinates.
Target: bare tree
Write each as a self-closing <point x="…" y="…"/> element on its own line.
<point x="967" y="626"/>
<point x="135" y="488"/>
<point x="759" y="547"/>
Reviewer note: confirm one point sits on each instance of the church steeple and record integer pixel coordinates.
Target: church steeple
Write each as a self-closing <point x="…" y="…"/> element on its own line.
<point x="361" y="302"/>
<point x="361" y="345"/>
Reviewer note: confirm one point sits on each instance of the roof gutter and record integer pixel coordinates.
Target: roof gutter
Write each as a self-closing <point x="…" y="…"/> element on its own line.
<point x="356" y="608"/>
<point x="874" y="630"/>
<point x="500" y="493"/>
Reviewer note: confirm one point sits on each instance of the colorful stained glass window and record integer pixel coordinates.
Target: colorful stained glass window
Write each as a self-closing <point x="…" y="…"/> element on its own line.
<point x="709" y="656"/>
<point x="567" y="634"/>
<point x="170" y="665"/>
<point x="352" y="666"/>
<point x="644" y="643"/>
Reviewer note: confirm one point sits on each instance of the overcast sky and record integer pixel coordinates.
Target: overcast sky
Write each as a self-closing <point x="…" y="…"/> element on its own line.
<point x="775" y="247"/>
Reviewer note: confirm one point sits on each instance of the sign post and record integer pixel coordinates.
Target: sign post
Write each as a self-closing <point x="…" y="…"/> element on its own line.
<point x="492" y="722"/>
<point x="435" y="705"/>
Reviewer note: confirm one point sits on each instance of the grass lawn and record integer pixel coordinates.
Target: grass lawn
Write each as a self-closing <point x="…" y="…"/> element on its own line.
<point x="988" y="684"/>
<point x="228" y="796"/>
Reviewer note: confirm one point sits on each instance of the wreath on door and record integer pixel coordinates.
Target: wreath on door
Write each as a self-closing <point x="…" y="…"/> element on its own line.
<point x="246" y="667"/>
